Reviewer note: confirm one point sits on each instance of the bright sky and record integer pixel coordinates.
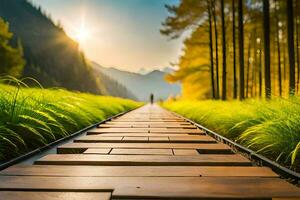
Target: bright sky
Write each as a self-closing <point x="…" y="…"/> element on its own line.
<point x="118" y="33"/>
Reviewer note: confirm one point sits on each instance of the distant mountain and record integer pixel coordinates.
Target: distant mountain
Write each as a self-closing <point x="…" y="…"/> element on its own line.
<point x="143" y="71"/>
<point x="113" y="87"/>
<point x="143" y="85"/>
<point x="51" y="56"/>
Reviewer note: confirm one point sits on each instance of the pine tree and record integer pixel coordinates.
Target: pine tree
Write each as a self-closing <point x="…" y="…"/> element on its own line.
<point x="11" y="59"/>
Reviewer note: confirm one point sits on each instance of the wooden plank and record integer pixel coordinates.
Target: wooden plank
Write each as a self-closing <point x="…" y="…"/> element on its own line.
<point x="119" y="130"/>
<point x="159" y="139"/>
<point x="145" y="138"/>
<point x="132" y="171"/>
<point x="192" y="138"/>
<point x="132" y="135"/>
<point x="39" y="195"/>
<point x="101" y="138"/>
<point x="144" y="130"/>
<point x="81" y="147"/>
<point x="141" y="152"/>
<point x="122" y="126"/>
<point x="145" y="126"/>
<point x="153" y="120"/>
<point x="141" y="130"/>
<point x="171" y="126"/>
<point x="138" y="139"/>
<point x="185" y="152"/>
<point x="148" y="117"/>
<point x="160" y="130"/>
<point x="147" y="123"/>
<point x="138" y="160"/>
<point x="97" y="151"/>
<point x="160" y="187"/>
<point x="209" y="188"/>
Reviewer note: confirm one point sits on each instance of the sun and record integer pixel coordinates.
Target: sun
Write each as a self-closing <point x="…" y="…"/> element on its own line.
<point x="82" y="34"/>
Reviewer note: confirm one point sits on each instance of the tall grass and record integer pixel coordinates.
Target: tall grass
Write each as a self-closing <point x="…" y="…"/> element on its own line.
<point x="271" y="128"/>
<point x="33" y="117"/>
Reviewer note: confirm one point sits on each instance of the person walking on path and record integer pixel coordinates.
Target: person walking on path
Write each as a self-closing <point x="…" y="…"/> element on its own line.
<point x="151" y="98"/>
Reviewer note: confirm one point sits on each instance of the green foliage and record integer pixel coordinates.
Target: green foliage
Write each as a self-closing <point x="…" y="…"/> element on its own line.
<point x="32" y="117"/>
<point x="271" y="128"/>
<point x="11" y="59"/>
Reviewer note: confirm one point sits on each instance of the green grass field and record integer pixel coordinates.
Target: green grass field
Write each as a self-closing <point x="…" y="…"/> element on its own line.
<point x="31" y="118"/>
<point x="271" y="128"/>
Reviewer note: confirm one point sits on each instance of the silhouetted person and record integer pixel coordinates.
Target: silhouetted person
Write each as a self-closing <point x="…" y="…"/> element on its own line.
<point x="151" y="98"/>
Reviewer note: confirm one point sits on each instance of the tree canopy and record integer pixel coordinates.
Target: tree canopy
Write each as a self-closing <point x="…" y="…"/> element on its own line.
<point x="235" y="48"/>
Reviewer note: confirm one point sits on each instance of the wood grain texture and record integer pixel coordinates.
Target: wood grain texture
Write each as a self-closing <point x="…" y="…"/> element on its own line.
<point x="159" y="187"/>
<point x="141" y="152"/>
<point x="28" y="195"/>
<point x="127" y="171"/>
<point x="149" y="160"/>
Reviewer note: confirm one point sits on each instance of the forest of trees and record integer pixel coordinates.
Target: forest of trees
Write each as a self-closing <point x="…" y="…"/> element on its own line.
<point x="236" y="49"/>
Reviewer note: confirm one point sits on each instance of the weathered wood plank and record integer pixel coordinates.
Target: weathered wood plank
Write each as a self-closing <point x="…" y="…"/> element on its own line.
<point x="141" y="152"/>
<point x="136" y="135"/>
<point x="144" y="130"/>
<point x="185" y="152"/>
<point x="39" y="195"/>
<point x="81" y="147"/>
<point x="138" y="139"/>
<point x="97" y="151"/>
<point x="159" y="139"/>
<point x="147" y="123"/>
<point x="192" y="138"/>
<point x="128" y="171"/>
<point x="145" y="126"/>
<point x="160" y="187"/>
<point x="145" y="138"/>
<point x="150" y="160"/>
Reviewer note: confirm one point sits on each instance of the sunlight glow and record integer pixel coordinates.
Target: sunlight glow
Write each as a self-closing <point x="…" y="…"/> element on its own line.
<point x="82" y="34"/>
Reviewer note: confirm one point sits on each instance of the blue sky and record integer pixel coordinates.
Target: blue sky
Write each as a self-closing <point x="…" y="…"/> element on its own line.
<point x="118" y="33"/>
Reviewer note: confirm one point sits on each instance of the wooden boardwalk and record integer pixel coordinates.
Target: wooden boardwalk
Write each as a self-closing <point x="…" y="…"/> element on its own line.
<point x="148" y="153"/>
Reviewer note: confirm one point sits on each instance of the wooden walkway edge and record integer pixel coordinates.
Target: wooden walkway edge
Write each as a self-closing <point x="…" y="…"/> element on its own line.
<point x="148" y="153"/>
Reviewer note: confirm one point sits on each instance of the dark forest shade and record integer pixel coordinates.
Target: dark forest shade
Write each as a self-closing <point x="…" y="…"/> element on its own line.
<point x="212" y="74"/>
<point x="224" y="71"/>
<point x="216" y="49"/>
<point x="241" y="49"/>
<point x="278" y="50"/>
<point x="235" y="92"/>
<point x="266" y="12"/>
<point x="290" y="38"/>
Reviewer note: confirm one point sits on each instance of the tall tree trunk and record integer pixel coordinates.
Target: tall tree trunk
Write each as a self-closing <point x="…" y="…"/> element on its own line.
<point x="260" y="70"/>
<point x="216" y="49"/>
<point x="211" y="50"/>
<point x="297" y="51"/>
<point x="284" y="67"/>
<point x="248" y="65"/>
<point x="224" y="71"/>
<point x="234" y="51"/>
<point x="278" y="51"/>
<point x="254" y="71"/>
<point x="266" y="12"/>
<point x="290" y="28"/>
<point x="241" y="49"/>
